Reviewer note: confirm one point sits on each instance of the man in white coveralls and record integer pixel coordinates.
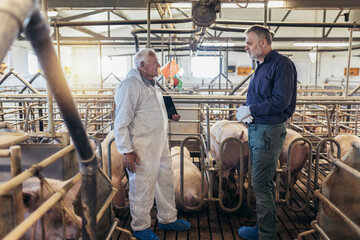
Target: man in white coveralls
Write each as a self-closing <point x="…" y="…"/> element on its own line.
<point x="141" y="125"/>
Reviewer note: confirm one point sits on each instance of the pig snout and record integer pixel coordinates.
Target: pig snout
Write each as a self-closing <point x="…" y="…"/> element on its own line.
<point x="191" y="199"/>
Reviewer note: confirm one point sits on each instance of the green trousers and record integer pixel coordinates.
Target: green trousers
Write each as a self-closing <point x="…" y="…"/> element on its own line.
<point x="265" y="143"/>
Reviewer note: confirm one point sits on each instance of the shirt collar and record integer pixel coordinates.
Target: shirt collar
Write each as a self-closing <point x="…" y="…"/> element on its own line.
<point x="147" y="82"/>
<point x="269" y="56"/>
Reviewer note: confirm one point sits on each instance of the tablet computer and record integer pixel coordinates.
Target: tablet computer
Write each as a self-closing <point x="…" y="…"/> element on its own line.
<point x="170" y="107"/>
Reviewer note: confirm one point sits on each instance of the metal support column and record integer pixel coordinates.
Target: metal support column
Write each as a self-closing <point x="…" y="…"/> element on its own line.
<point x="38" y="33"/>
<point x="316" y="65"/>
<point x="349" y="60"/>
<point x="101" y="73"/>
<point x="148" y="23"/>
<point x="265" y="12"/>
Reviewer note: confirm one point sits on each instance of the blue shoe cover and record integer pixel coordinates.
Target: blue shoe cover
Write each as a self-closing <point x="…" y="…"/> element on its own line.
<point x="178" y="225"/>
<point x="146" y="234"/>
<point x="249" y="233"/>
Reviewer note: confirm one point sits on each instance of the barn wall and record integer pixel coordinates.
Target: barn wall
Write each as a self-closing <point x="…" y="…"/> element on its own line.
<point x="85" y="69"/>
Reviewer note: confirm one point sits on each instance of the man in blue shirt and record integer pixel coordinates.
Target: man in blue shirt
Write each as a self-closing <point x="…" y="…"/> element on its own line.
<point x="271" y="100"/>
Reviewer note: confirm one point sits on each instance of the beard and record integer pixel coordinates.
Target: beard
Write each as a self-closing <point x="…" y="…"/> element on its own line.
<point x="256" y="53"/>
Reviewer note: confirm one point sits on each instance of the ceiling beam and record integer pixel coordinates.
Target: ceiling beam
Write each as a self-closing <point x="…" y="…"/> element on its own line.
<point x="283" y="19"/>
<point x="89" y="32"/>
<point x="223" y="39"/>
<point x="182" y="12"/>
<point x="289" y="24"/>
<point x="289" y="4"/>
<point x="82" y="15"/>
<point x="119" y="22"/>
<point x="161" y="12"/>
<point x="123" y="16"/>
<point x="337" y="17"/>
<point x="322" y="4"/>
<point x="96" y="3"/>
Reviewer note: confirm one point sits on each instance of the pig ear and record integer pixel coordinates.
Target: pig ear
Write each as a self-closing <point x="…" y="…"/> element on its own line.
<point x="241" y="135"/>
<point x="30" y="198"/>
<point x="74" y="190"/>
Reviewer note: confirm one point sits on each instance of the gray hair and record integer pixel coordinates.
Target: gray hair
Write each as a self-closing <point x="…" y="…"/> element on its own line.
<point x="261" y="32"/>
<point x="141" y="56"/>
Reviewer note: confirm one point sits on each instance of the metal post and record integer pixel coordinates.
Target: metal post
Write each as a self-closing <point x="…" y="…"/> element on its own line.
<point x="50" y="100"/>
<point x="148" y="23"/>
<point x="269" y="18"/>
<point x="240" y="84"/>
<point x="69" y="160"/>
<point x="356" y="119"/>
<point x="50" y="108"/>
<point x="108" y="16"/>
<point x="324" y="21"/>
<point x="220" y="70"/>
<point x="37" y="32"/>
<point x="316" y="65"/>
<point x="348" y="63"/>
<point x="265" y="13"/>
<point x="15" y="158"/>
<point x="162" y="53"/>
<point x="101" y="73"/>
<point x="227" y="67"/>
<point x="57" y="31"/>
<point x="208" y="146"/>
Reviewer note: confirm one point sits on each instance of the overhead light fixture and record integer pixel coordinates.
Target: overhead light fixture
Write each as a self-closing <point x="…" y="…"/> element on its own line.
<point x="276" y="4"/>
<point x="218" y="44"/>
<point x="271" y="4"/>
<point x="52" y="13"/>
<point x="181" y="5"/>
<point x="314" y="44"/>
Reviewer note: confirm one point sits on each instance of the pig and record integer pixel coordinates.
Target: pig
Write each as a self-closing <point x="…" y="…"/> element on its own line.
<point x="224" y="129"/>
<point x="343" y="190"/>
<point x="299" y="155"/>
<point x="345" y="145"/>
<point x="53" y="218"/>
<point x="5" y="127"/>
<point x="117" y="169"/>
<point x="192" y="179"/>
<point x="231" y="153"/>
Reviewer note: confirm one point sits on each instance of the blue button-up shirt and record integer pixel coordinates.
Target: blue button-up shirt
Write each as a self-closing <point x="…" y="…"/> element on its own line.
<point x="272" y="90"/>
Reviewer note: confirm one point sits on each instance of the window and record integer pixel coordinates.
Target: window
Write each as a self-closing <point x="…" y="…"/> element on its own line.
<point x="33" y="65"/>
<point x="205" y="67"/>
<point x="114" y="65"/>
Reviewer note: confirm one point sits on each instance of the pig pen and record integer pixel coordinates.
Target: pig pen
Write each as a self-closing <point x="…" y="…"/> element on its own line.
<point x="20" y="161"/>
<point x="215" y="223"/>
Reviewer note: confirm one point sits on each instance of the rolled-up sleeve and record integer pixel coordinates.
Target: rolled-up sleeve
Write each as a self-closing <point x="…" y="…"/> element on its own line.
<point x="126" y="99"/>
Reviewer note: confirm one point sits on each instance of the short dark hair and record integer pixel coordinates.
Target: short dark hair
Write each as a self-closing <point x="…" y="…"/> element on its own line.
<point x="261" y="32"/>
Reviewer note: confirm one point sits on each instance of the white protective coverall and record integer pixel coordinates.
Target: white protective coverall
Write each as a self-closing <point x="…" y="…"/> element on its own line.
<point x="141" y="126"/>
